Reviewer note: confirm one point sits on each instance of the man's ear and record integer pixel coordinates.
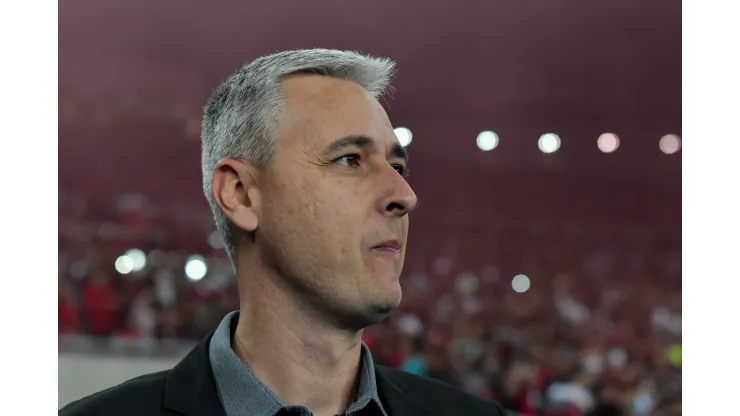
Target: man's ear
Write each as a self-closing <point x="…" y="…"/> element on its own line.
<point x="236" y="192"/>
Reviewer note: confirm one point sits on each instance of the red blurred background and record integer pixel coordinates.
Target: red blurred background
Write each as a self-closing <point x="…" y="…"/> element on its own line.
<point x="596" y="234"/>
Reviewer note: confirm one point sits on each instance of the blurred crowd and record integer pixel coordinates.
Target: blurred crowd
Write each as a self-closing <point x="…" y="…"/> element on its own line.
<point x="593" y="329"/>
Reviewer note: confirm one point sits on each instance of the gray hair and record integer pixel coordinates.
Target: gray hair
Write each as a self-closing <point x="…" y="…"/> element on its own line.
<point x="240" y="116"/>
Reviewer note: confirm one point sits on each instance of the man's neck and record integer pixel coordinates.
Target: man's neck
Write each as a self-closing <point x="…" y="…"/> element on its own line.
<point x="301" y="359"/>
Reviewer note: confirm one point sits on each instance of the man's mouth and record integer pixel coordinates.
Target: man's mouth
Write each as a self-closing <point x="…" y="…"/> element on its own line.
<point x="389" y="246"/>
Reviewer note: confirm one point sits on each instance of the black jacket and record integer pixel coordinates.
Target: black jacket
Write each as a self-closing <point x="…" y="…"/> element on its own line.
<point x="189" y="389"/>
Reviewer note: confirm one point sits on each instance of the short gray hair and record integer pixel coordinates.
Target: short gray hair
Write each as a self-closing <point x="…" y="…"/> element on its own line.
<point x="239" y="118"/>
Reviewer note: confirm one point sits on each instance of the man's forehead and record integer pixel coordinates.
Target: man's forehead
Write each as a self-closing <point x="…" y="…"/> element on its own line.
<point x="321" y="109"/>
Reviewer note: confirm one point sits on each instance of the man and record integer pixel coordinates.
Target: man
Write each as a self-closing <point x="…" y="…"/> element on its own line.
<point x="305" y="179"/>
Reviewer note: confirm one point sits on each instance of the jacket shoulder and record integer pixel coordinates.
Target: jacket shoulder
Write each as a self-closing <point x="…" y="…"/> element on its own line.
<point x="140" y="396"/>
<point x="444" y="398"/>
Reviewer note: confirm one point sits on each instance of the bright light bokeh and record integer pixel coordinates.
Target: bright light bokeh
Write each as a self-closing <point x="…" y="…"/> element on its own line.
<point x="670" y="143"/>
<point x="195" y="268"/>
<point x="549" y="143"/>
<point x="138" y="259"/>
<point x="608" y="142"/>
<point x="520" y="283"/>
<point x="404" y="135"/>
<point x="487" y="140"/>
<point x="124" y="264"/>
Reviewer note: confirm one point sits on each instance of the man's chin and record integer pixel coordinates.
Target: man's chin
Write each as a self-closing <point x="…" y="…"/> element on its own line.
<point x="380" y="309"/>
<point x="371" y="314"/>
<point x="372" y="317"/>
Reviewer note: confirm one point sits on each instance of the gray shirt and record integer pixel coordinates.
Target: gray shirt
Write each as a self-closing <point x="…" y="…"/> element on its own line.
<point x="243" y="394"/>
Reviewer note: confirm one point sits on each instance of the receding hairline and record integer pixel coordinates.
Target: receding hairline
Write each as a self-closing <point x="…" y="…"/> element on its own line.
<point x="266" y="76"/>
<point x="313" y="89"/>
<point x="304" y="93"/>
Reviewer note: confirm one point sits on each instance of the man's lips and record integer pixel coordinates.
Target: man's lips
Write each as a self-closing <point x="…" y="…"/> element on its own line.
<point x="391" y="246"/>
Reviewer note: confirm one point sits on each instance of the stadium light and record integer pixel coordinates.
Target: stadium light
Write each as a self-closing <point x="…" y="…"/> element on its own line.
<point x="487" y="140"/>
<point x="404" y="135"/>
<point x="549" y="143"/>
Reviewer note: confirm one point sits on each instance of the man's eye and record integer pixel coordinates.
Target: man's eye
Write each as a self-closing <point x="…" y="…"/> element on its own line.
<point x="400" y="169"/>
<point x="350" y="161"/>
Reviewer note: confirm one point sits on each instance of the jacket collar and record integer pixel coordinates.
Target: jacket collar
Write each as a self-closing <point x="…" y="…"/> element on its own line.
<point x="191" y="390"/>
<point x="392" y="391"/>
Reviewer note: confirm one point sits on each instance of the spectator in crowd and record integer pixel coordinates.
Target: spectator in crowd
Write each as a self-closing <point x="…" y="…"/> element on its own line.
<point x="100" y="304"/>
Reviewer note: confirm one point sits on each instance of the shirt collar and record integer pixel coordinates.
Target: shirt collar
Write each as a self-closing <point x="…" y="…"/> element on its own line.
<point x="243" y="394"/>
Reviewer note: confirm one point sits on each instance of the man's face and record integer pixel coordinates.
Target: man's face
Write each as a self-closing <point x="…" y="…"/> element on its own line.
<point x="334" y="204"/>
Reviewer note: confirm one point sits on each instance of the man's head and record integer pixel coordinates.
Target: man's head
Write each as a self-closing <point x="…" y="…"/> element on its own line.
<point x="304" y="176"/>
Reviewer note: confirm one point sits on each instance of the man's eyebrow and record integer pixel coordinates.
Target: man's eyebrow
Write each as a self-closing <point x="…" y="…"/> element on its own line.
<point x="366" y="142"/>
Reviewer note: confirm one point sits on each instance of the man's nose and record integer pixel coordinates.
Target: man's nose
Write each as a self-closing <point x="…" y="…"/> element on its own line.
<point x="400" y="199"/>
